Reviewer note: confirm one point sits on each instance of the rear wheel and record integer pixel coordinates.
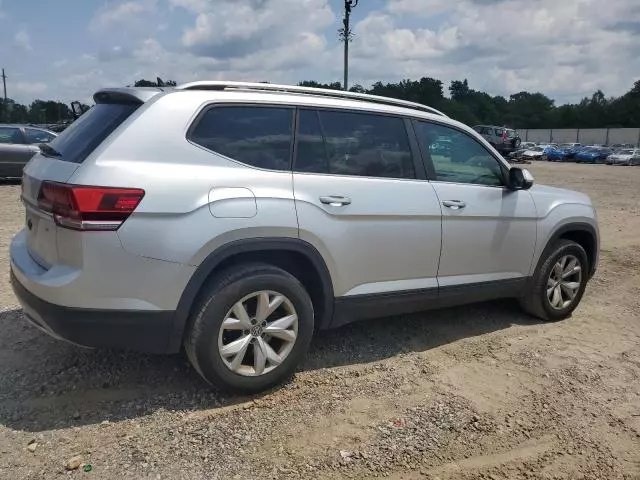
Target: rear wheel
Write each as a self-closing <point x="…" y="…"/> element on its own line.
<point x="250" y="329"/>
<point x="558" y="283"/>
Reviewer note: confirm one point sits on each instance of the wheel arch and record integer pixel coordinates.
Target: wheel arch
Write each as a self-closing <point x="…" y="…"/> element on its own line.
<point x="584" y="234"/>
<point x="296" y="256"/>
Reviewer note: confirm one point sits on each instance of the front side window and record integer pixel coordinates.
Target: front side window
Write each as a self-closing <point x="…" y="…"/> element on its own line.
<point x="346" y="143"/>
<point x="257" y="136"/>
<point x="38" y="136"/>
<point x="463" y="161"/>
<point x="10" y="135"/>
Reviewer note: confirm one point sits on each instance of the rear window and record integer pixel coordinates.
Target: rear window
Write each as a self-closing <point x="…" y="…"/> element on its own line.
<point x="84" y="135"/>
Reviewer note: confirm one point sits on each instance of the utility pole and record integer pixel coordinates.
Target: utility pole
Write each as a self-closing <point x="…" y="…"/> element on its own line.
<point x="4" y="102"/>
<point x="346" y="35"/>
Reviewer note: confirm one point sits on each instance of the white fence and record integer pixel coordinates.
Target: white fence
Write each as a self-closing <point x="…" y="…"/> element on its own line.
<point x="585" y="136"/>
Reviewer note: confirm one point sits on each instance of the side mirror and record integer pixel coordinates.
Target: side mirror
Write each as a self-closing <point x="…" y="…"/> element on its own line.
<point x="520" y="179"/>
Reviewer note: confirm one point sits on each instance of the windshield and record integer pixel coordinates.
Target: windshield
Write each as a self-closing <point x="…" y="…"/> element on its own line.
<point x="85" y="134"/>
<point x="511" y="134"/>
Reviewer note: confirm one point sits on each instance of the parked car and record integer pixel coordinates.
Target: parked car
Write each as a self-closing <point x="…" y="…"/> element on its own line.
<point x="504" y="140"/>
<point x="527" y="145"/>
<point x="547" y="147"/>
<point x="533" y="153"/>
<point x="18" y="143"/>
<point x="563" y="152"/>
<point x="593" y="155"/>
<point x="629" y="156"/>
<point x="188" y="218"/>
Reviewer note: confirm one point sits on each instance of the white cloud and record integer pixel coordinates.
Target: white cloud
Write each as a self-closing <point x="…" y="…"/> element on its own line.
<point x="226" y="29"/>
<point x="22" y="41"/>
<point x="128" y="14"/>
<point x="564" y="49"/>
<point x="29" y="88"/>
<point x="419" y="7"/>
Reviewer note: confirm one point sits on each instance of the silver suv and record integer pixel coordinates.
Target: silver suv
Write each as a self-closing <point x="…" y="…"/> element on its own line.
<point x="504" y="140"/>
<point x="236" y="219"/>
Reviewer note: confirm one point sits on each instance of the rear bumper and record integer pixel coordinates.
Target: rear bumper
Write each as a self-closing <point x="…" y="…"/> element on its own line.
<point x="145" y="331"/>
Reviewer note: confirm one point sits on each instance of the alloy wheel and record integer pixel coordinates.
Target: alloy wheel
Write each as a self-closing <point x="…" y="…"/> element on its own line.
<point x="564" y="282"/>
<point x="258" y="333"/>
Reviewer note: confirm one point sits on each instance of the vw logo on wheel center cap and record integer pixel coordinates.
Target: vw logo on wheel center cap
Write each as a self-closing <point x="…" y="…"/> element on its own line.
<point x="256" y="330"/>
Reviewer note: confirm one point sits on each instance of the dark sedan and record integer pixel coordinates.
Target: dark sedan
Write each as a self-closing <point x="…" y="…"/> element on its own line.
<point x="18" y="143"/>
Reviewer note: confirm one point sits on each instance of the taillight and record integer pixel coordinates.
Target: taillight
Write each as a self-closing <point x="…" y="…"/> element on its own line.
<point x="88" y="208"/>
<point x="504" y="135"/>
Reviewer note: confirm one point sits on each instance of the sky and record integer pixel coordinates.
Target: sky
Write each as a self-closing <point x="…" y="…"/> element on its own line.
<point x="566" y="49"/>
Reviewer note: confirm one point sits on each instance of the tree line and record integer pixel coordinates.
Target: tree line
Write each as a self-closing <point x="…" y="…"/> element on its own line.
<point x="520" y="110"/>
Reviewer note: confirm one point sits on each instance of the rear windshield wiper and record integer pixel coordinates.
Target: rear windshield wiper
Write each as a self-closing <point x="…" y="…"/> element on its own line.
<point x="49" y="151"/>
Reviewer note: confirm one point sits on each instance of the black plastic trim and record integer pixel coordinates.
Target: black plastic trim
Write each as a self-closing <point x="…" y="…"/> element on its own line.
<point x="578" y="227"/>
<point x="361" y="307"/>
<point x="142" y="331"/>
<point x="264" y="244"/>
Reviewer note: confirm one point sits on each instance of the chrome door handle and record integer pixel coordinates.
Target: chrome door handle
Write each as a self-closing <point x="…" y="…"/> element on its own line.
<point x="454" y="204"/>
<point x="335" y="200"/>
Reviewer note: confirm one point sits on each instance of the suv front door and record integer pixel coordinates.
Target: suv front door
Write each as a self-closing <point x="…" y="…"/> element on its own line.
<point x="363" y="201"/>
<point x="488" y="231"/>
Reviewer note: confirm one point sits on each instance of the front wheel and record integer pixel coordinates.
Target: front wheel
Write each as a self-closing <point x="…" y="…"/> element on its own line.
<point x="251" y="328"/>
<point x="558" y="283"/>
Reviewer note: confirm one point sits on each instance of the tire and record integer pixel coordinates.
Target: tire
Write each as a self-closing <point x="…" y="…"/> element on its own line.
<point x="536" y="302"/>
<point x="204" y="336"/>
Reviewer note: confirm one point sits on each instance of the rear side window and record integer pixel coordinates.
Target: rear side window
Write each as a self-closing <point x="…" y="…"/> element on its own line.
<point x="84" y="135"/>
<point x="258" y="136"/>
<point x="498" y="132"/>
<point x="346" y="143"/>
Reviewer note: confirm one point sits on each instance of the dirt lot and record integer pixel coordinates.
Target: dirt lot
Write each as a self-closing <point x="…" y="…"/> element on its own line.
<point x="475" y="392"/>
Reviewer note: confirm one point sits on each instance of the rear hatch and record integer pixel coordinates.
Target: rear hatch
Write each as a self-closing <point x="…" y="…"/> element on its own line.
<point x="55" y="165"/>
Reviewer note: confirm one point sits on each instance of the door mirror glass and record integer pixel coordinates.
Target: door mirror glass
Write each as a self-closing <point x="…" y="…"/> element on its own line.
<point x="520" y="179"/>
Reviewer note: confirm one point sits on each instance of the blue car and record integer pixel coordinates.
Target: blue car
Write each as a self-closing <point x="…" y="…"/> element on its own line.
<point x="556" y="155"/>
<point x="564" y="152"/>
<point x="593" y="155"/>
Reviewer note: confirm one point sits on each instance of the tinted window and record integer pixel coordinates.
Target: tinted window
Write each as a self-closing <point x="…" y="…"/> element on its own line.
<point x="38" y="136"/>
<point x="346" y="143"/>
<point x="10" y="135"/>
<point x="498" y="132"/>
<point x="85" y="134"/>
<point x="461" y="158"/>
<point x="258" y="136"/>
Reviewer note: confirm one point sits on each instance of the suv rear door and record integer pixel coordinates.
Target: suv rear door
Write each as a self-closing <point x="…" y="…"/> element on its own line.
<point x="488" y="231"/>
<point x="363" y="201"/>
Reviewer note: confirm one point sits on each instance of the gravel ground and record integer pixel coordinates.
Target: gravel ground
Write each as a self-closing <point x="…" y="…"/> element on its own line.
<point x="481" y="391"/>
